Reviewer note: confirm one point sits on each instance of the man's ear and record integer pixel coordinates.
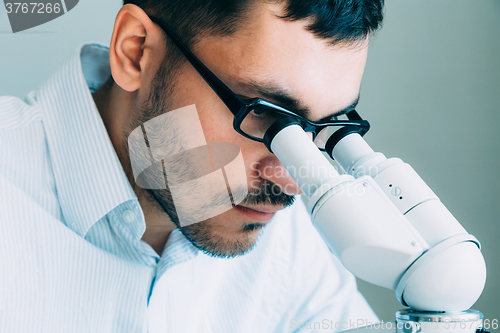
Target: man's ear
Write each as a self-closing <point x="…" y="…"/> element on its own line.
<point x="137" y="47"/>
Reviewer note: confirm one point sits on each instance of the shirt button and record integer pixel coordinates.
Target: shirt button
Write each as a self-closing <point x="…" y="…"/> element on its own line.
<point x="128" y="216"/>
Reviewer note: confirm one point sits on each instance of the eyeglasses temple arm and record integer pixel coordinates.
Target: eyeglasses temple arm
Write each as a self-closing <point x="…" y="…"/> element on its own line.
<point x="225" y="94"/>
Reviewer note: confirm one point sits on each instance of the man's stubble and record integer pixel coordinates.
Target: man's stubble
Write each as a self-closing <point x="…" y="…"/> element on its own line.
<point x="201" y="234"/>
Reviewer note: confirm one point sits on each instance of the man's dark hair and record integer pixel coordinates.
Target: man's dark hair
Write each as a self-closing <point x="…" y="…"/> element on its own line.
<point x="339" y="21"/>
<point x="336" y="20"/>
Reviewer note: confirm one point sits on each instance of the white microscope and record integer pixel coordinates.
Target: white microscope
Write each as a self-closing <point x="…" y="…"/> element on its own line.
<point x="387" y="227"/>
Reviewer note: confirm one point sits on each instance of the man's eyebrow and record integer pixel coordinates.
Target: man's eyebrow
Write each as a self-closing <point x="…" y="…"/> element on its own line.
<point x="288" y="102"/>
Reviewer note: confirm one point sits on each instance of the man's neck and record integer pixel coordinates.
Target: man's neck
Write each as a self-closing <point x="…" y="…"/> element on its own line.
<point x="114" y="105"/>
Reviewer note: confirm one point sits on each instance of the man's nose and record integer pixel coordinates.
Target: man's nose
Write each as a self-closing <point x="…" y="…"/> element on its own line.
<point x="272" y="170"/>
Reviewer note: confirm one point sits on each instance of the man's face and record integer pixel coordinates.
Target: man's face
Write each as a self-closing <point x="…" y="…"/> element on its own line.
<point x="281" y="62"/>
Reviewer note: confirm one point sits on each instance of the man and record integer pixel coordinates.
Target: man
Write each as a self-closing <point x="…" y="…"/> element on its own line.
<point x="86" y="248"/>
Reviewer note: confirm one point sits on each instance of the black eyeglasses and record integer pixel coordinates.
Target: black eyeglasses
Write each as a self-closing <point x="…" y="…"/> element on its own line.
<point x="254" y="116"/>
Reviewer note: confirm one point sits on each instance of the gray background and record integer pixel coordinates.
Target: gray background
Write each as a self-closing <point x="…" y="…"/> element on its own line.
<point x="431" y="92"/>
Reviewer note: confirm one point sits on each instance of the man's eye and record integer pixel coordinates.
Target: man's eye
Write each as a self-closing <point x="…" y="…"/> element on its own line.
<point x="264" y="116"/>
<point x="259" y="111"/>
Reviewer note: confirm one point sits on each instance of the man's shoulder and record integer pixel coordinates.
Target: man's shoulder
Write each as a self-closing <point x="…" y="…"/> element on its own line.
<point x="16" y="113"/>
<point x="24" y="155"/>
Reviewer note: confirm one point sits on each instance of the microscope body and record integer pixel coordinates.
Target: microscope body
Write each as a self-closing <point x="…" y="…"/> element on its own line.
<point x="386" y="226"/>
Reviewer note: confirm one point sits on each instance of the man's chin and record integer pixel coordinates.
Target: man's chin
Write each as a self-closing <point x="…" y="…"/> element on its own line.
<point x="206" y="238"/>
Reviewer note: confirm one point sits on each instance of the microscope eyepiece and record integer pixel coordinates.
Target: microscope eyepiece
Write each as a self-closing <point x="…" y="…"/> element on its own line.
<point x="277" y="127"/>
<point x="339" y="135"/>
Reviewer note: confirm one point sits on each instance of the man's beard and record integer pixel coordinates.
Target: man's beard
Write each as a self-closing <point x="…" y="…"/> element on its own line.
<point x="202" y="234"/>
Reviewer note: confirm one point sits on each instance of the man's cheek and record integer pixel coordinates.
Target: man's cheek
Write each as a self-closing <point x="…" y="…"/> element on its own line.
<point x="204" y="179"/>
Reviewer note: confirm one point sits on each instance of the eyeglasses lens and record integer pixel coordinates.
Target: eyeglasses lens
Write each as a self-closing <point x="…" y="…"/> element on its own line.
<point x="259" y="119"/>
